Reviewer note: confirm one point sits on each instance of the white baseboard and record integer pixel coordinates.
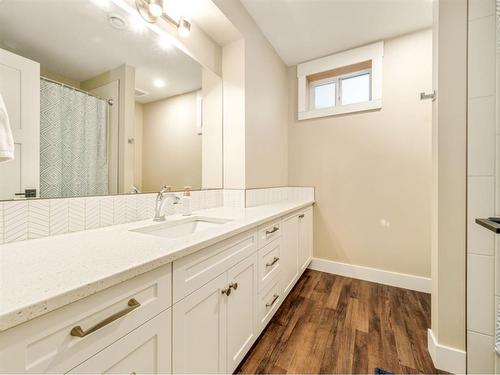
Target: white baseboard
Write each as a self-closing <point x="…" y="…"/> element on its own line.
<point x="444" y="357"/>
<point x="400" y="280"/>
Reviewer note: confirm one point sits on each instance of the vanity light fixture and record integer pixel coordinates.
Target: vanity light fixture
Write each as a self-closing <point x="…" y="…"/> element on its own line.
<point x="152" y="10"/>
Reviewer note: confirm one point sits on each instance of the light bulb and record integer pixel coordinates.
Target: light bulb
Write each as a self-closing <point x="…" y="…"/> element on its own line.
<point x="184" y="28"/>
<point x="155" y="7"/>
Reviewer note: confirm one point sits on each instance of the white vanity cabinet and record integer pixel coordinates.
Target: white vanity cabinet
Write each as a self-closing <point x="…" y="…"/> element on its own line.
<point x="305" y="238"/>
<point x="200" y="314"/>
<point x="297" y="246"/>
<point x="215" y="326"/>
<point x="59" y="341"/>
<point x="290" y="252"/>
<point x="225" y="295"/>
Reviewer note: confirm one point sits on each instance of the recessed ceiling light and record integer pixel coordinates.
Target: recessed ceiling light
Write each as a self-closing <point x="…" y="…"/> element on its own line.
<point x="117" y="21"/>
<point x="159" y="83"/>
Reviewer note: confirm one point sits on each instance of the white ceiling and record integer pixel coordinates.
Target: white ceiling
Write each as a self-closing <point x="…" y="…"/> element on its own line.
<point x="73" y="38"/>
<point x="301" y="30"/>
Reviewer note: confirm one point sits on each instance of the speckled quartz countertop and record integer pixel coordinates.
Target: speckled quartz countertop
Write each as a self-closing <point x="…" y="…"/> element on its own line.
<point x="38" y="276"/>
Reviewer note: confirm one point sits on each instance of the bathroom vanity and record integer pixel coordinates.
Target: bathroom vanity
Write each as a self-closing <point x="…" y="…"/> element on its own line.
<point x="140" y="298"/>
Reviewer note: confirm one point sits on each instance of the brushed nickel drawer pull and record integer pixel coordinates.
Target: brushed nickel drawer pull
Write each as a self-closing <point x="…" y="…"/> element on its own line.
<point x="79" y="332"/>
<point x="273" y="262"/>
<point x="301" y="216"/>
<point x="275" y="298"/>
<point x="275" y="229"/>
<point x="233" y="285"/>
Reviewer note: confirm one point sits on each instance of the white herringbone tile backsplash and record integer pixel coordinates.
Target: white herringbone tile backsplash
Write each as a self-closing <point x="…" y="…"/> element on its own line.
<point x="29" y="219"/>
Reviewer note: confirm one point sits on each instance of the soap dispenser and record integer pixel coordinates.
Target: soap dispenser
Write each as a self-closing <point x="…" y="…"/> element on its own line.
<point x="186" y="201"/>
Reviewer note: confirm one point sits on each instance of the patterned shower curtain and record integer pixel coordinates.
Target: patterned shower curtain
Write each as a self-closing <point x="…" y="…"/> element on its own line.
<point x="73" y="142"/>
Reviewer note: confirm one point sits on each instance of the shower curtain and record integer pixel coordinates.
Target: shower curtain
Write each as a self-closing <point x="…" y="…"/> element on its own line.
<point x="73" y="142"/>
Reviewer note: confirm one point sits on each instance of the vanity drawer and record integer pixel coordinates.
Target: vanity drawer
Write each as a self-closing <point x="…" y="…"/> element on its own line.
<point x="145" y="350"/>
<point x="269" y="232"/>
<point x="193" y="271"/>
<point x="269" y="262"/>
<point x="54" y="343"/>
<point x="269" y="301"/>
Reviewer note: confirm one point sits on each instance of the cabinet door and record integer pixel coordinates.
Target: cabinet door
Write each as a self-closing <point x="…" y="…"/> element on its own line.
<point x="242" y="316"/>
<point x="199" y="330"/>
<point x="305" y="238"/>
<point x="289" y="253"/>
<point x="146" y="350"/>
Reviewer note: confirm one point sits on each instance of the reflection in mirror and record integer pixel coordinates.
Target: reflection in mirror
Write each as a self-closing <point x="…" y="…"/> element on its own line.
<point x="100" y="102"/>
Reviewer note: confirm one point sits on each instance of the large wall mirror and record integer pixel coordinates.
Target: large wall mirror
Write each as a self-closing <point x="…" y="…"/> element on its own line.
<point x="100" y="102"/>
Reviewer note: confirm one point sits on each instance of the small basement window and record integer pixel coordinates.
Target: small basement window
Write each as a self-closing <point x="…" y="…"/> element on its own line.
<point x="346" y="82"/>
<point x="353" y="83"/>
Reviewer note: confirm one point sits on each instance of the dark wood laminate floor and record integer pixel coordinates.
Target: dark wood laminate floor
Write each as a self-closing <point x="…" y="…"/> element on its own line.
<point x="335" y="324"/>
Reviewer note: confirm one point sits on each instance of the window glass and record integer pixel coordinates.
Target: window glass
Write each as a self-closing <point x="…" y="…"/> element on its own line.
<point x="356" y="89"/>
<point x="324" y="95"/>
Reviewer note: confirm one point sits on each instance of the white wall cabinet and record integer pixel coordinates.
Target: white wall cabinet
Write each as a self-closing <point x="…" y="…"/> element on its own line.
<point x="146" y="350"/>
<point x="200" y="314"/>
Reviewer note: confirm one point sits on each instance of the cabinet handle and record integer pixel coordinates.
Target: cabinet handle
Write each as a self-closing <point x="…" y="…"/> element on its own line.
<point x="79" y="332"/>
<point x="301" y="216"/>
<point x="273" y="262"/>
<point x="275" y="298"/>
<point x="226" y="291"/>
<point x="233" y="285"/>
<point x="275" y="229"/>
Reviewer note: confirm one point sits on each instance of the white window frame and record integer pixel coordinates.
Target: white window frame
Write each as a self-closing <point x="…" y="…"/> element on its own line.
<point x="373" y="53"/>
<point x="321" y="82"/>
<point x="338" y="87"/>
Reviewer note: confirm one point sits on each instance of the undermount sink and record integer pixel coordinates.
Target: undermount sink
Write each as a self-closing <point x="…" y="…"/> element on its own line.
<point x="181" y="228"/>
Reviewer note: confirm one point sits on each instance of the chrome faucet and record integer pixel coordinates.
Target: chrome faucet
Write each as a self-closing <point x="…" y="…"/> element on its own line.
<point x="160" y="202"/>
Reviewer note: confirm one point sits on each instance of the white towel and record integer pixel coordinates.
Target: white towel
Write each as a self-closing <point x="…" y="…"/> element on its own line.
<point x="6" y="140"/>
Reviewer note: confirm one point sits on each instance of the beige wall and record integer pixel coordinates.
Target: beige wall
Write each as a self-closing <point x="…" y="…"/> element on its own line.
<point x="172" y="150"/>
<point x="211" y="149"/>
<point x="233" y="81"/>
<point x="138" y="143"/>
<point x="266" y="95"/>
<point x="266" y="120"/>
<point x="373" y="166"/>
<point x="449" y="173"/>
